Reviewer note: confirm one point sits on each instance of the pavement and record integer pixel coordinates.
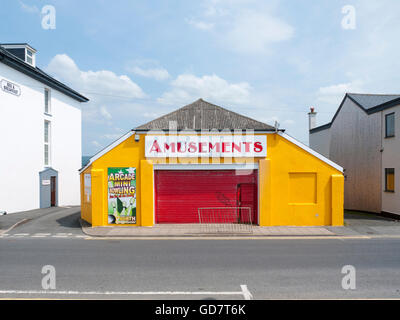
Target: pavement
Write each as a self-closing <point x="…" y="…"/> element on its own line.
<point x="197" y="230"/>
<point x="41" y="223"/>
<point x="66" y="222"/>
<point x="356" y="224"/>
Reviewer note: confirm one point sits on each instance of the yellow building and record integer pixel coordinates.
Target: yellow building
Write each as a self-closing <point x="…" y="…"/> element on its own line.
<point x="204" y="157"/>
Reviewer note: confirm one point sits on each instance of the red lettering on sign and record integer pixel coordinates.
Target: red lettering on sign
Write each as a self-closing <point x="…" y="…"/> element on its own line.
<point x="211" y="147"/>
<point x="155" y="147"/>
<point x="246" y="146"/>
<point x="225" y="145"/>
<point x="236" y="147"/>
<point x="192" y="147"/>
<point x="169" y="146"/>
<point x="257" y="147"/>
<point x="180" y="147"/>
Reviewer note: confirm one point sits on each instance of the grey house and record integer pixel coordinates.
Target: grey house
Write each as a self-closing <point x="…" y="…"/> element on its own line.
<point x="364" y="138"/>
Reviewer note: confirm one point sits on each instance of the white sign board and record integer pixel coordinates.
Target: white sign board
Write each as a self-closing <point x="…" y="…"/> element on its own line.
<point x="45" y="182"/>
<point x="189" y="146"/>
<point x="87" y="183"/>
<point x="10" y="87"/>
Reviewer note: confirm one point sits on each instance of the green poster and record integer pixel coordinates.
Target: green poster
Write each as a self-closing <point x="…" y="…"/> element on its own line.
<point x="121" y="195"/>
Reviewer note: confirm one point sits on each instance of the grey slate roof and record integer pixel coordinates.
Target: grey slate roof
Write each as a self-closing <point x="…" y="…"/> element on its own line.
<point x="38" y="74"/>
<point x="370" y="103"/>
<point x="202" y="115"/>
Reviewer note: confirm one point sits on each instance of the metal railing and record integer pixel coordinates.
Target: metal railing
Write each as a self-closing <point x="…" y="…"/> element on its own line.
<point x="226" y="220"/>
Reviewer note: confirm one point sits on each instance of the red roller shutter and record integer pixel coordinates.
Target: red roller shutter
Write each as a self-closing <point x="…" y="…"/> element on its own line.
<point x="179" y="193"/>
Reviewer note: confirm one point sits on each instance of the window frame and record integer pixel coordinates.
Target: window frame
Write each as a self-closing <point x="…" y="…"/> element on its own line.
<point x="48" y="111"/>
<point x="30" y="56"/>
<point x="386" y="125"/>
<point x="387" y="172"/>
<point x="47" y="143"/>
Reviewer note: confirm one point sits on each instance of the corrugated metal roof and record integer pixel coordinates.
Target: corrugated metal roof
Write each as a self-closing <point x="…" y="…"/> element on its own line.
<point x="202" y="115"/>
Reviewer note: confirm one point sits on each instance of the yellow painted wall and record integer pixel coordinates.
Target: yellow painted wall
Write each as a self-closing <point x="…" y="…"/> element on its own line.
<point x="293" y="169"/>
<point x="295" y="187"/>
<point x="86" y="198"/>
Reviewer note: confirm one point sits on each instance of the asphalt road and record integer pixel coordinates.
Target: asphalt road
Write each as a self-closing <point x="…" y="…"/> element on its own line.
<point x="201" y="269"/>
<point x="279" y="269"/>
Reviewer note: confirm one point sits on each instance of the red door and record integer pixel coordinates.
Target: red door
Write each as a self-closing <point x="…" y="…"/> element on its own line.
<point x="179" y="193"/>
<point x="247" y="197"/>
<point x="53" y="190"/>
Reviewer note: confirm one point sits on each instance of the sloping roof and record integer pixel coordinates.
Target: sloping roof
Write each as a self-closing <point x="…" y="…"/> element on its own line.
<point x="370" y="103"/>
<point x="38" y="74"/>
<point x="202" y="115"/>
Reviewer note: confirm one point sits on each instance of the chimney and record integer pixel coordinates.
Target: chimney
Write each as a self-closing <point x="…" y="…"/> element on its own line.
<point x="312" y="119"/>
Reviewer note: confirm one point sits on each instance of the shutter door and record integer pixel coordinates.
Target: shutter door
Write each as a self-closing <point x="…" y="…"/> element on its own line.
<point x="179" y="193"/>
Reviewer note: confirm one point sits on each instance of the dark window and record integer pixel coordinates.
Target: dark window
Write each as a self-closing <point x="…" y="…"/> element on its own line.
<point x="389" y="180"/>
<point x="389" y="125"/>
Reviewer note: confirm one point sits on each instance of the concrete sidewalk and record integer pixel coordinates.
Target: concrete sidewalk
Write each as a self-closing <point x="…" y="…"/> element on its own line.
<point x="197" y="230"/>
<point x="13" y="220"/>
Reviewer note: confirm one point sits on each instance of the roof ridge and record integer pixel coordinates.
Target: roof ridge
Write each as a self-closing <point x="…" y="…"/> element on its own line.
<point x="374" y="94"/>
<point x="222" y="116"/>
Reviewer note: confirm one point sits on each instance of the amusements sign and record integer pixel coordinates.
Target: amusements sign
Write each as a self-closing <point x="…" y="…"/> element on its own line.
<point x="121" y="195"/>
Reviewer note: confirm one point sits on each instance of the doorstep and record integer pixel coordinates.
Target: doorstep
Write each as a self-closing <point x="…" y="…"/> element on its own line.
<point x="197" y="230"/>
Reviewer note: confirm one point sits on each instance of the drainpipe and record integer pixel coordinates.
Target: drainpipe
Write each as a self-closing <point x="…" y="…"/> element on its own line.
<point x="312" y="119"/>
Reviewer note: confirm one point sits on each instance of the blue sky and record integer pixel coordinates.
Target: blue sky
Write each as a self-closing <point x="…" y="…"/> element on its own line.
<point x="270" y="60"/>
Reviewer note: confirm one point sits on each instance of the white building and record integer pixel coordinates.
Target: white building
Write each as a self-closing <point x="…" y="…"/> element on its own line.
<point x="364" y="138"/>
<point x="40" y="135"/>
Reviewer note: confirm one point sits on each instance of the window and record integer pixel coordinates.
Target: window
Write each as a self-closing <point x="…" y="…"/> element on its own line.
<point x="47" y="101"/>
<point x="47" y="143"/>
<point x="389" y="125"/>
<point x="29" y="57"/>
<point x="389" y="180"/>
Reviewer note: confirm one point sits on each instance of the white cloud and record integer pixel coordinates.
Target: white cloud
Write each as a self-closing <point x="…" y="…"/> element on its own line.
<point x="334" y="93"/>
<point x="254" y="32"/>
<point x="112" y="136"/>
<point x="288" y="122"/>
<point x="103" y="87"/>
<point x="104" y="112"/>
<point x="102" y="82"/>
<point x="243" y="26"/>
<point x="187" y="88"/>
<point x="154" y="73"/>
<point x="202" y="25"/>
<point x="96" y="144"/>
<point x="28" y="8"/>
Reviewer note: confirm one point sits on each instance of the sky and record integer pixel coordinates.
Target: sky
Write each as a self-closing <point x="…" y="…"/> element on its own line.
<point x="270" y="60"/>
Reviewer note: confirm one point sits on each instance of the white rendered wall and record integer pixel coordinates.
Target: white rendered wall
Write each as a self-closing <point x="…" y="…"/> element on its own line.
<point x="391" y="159"/>
<point x="66" y="151"/>
<point x="22" y="143"/>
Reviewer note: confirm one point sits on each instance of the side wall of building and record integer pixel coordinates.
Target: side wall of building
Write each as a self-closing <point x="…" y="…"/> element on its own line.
<point x="355" y="145"/>
<point x="320" y="141"/>
<point x="391" y="159"/>
<point x="22" y="143"/>
<point x="66" y="126"/>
